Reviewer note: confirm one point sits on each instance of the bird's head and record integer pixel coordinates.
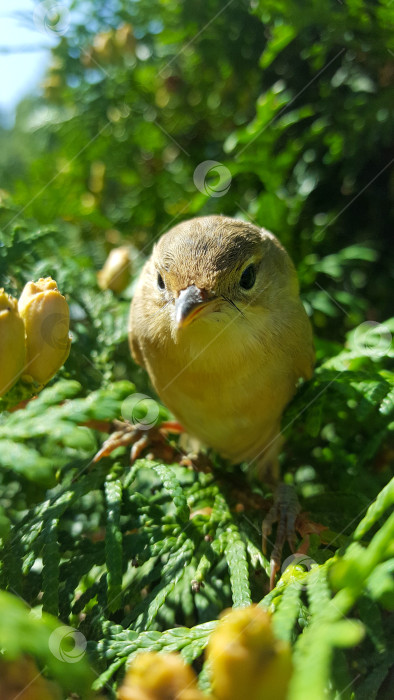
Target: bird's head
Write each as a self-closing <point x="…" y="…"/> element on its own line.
<point x="209" y="273"/>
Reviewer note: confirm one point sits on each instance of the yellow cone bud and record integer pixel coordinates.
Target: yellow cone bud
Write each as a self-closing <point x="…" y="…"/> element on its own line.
<point x="22" y="679"/>
<point x="46" y="317"/>
<point x="12" y="342"/>
<point x="246" y="660"/>
<point x="155" y="676"/>
<point x="103" y="44"/>
<point x="124" y="39"/>
<point x="116" y="273"/>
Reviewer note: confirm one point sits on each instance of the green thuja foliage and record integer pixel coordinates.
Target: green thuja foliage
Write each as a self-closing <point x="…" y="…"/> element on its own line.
<point x="118" y="553"/>
<point x="100" y="560"/>
<point x="146" y="556"/>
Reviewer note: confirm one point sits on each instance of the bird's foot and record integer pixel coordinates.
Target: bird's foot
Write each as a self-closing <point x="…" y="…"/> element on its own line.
<point x="199" y="462"/>
<point x="286" y="512"/>
<point x="307" y="527"/>
<point x="155" y="439"/>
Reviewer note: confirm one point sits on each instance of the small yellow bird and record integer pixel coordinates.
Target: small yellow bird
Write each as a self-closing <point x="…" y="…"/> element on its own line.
<point x="217" y="322"/>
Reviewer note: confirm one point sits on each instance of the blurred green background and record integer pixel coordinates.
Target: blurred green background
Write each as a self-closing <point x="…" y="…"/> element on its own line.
<point x="292" y="99"/>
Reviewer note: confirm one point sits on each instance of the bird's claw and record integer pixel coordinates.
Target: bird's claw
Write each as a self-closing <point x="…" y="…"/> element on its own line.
<point x="284" y="511"/>
<point x="140" y="438"/>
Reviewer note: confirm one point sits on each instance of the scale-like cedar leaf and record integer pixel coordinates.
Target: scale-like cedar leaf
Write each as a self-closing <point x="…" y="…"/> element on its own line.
<point x="190" y="642"/>
<point x="235" y="553"/>
<point x="50" y="571"/>
<point x="113" y="543"/>
<point x="172" y="485"/>
<point x="383" y="502"/>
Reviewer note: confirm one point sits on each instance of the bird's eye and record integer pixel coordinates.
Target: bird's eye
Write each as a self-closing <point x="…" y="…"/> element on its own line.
<point x="248" y="277"/>
<point x="160" y="281"/>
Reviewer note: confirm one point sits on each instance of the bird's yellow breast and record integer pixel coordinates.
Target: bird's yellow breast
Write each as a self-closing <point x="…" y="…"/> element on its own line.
<point x="226" y="389"/>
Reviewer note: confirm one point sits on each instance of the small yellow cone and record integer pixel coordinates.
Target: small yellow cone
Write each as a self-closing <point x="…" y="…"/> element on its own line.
<point x="153" y="676"/>
<point x="12" y="342"/>
<point x="46" y="317"/>
<point x="22" y="679"/>
<point x="246" y="661"/>
<point x="124" y="39"/>
<point x="116" y="273"/>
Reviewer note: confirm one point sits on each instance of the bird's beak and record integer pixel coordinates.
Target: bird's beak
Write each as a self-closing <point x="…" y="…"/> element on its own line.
<point x="191" y="302"/>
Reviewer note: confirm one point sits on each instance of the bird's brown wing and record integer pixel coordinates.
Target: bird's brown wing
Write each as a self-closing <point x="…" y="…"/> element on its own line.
<point x="306" y="362"/>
